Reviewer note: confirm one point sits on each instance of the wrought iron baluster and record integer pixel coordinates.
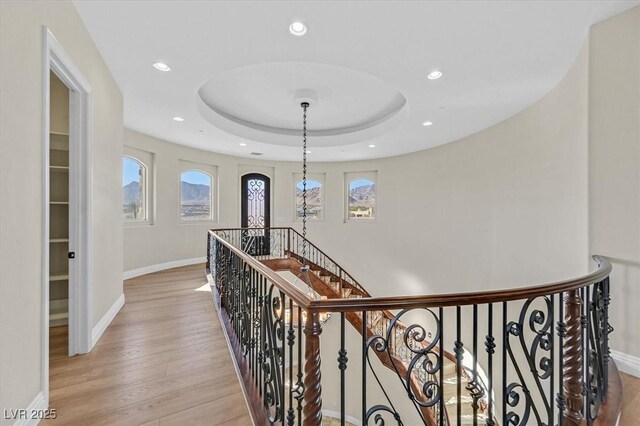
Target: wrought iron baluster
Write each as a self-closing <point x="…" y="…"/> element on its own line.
<point x="505" y="339"/>
<point x="561" y="329"/>
<point x="252" y="310"/>
<point x="365" y="349"/>
<point x="490" y="347"/>
<point x="208" y="265"/>
<point x="442" y="414"/>
<point x="587" y="353"/>
<point x="261" y="341"/>
<point x="606" y="329"/>
<point x="291" y="338"/>
<point x="299" y="383"/>
<point x="551" y="405"/>
<point x="473" y="386"/>
<point x="283" y="359"/>
<point x="458" y="350"/>
<point x="342" y="365"/>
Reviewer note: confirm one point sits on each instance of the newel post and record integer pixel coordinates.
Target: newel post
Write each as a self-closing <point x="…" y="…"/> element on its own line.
<point x="312" y="412"/>
<point x="573" y="353"/>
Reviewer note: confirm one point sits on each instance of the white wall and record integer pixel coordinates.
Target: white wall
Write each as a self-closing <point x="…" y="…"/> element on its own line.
<point x="169" y="238"/>
<point x="505" y="207"/>
<point x="614" y="168"/>
<point x="21" y="172"/>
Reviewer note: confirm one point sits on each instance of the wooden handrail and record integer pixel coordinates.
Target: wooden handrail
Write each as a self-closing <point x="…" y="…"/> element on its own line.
<point x="462" y="299"/>
<point x="417" y="301"/>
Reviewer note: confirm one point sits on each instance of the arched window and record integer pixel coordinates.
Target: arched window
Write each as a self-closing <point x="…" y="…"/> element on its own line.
<point x="361" y="198"/>
<point x="134" y="190"/>
<point x="314" y="200"/>
<point x="195" y="195"/>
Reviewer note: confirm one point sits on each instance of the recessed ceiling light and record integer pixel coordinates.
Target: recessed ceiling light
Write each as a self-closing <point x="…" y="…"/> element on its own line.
<point x="180" y="119"/>
<point x="161" y="66"/>
<point x="243" y="144"/>
<point x="298" y="29"/>
<point x="372" y="146"/>
<point x="256" y="153"/>
<point x="308" y="152"/>
<point x="427" y="124"/>
<point x="434" y="75"/>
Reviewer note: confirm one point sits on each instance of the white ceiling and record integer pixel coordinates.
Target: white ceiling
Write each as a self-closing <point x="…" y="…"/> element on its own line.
<point x="236" y="69"/>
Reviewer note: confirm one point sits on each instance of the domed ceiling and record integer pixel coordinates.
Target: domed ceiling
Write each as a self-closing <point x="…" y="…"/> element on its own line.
<point x="238" y="74"/>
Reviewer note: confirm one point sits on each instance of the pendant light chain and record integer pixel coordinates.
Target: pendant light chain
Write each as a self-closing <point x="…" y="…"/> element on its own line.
<point x="304" y="105"/>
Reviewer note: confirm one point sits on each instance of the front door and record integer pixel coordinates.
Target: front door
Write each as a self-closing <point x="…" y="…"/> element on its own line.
<point x="255" y="214"/>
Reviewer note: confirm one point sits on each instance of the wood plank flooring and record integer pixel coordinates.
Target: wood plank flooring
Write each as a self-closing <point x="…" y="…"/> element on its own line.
<point x="630" y="400"/>
<point x="162" y="361"/>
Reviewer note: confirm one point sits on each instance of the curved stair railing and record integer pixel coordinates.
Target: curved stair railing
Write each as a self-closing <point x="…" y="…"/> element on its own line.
<point x="544" y="349"/>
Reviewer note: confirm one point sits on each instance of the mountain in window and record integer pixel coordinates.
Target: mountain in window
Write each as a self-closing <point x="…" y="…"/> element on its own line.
<point x="314" y="197"/>
<point x="195" y="194"/>
<point x="131" y="193"/>
<point x="362" y="196"/>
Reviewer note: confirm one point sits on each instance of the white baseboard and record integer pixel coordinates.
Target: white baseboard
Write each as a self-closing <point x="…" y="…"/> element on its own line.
<point x="162" y="266"/>
<point x="626" y="363"/>
<point x="336" y="415"/>
<point x="37" y="406"/>
<point x="106" y="320"/>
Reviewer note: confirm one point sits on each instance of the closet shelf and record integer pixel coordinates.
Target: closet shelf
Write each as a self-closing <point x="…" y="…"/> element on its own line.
<point x="59" y="240"/>
<point x="58" y="310"/>
<point x="58" y="277"/>
<point x="59" y="168"/>
<point x="58" y="316"/>
<point x="59" y="202"/>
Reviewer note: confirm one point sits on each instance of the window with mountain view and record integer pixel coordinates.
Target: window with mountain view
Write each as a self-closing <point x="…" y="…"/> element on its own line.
<point x="314" y="199"/>
<point x="133" y="190"/>
<point x="361" y="198"/>
<point x="195" y="195"/>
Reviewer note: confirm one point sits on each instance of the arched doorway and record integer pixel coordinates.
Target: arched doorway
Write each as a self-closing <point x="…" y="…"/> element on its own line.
<point x="255" y="213"/>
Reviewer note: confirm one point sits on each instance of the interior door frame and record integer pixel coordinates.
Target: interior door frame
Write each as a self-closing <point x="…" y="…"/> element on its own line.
<point x="56" y="60"/>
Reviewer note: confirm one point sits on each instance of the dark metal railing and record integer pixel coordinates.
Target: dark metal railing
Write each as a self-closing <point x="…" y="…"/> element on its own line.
<point x="535" y="355"/>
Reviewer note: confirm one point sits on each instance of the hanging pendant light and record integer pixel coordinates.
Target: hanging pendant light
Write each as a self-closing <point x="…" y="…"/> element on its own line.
<point x="304" y="276"/>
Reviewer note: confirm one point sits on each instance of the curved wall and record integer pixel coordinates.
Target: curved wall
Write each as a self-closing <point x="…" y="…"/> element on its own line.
<point x="614" y="172"/>
<point x="504" y="207"/>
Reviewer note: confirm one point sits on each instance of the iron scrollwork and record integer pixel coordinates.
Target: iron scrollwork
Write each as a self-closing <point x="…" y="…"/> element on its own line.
<point x="273" y="327"/>
<point x="415" y="361"/>
<point x="598" y="348"/>
<point x="538" y="354"/>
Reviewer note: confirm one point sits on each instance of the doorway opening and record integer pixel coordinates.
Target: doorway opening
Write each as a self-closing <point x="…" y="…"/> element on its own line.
<point x="66" y="238"/>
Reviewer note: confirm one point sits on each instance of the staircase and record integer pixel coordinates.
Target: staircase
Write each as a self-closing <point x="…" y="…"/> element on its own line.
<point x="331" y="286"/>
<point x="551" y="333"/>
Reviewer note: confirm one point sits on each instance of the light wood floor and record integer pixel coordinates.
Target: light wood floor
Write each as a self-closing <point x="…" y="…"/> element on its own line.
<point x="631" y="400"/>
<point x="162" y="361"/>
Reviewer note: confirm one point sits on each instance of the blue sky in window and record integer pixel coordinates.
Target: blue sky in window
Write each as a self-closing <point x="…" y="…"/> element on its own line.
<point x="196" y="177"/>
<point x="310" y="184"/>
<point x="130" y="171"/>
<point x="360" y="182"/>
